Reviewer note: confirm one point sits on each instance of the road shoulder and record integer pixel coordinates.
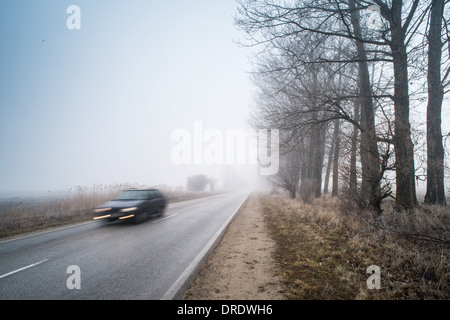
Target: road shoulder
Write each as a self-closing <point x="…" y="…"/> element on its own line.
<point x="241" y="267"/>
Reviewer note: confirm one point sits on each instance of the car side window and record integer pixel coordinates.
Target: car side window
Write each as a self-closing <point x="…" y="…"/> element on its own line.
<point x="149" y="195"/>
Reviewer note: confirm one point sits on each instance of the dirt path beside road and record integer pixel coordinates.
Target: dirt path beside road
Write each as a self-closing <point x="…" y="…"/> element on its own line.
<point x="241" y="267"/>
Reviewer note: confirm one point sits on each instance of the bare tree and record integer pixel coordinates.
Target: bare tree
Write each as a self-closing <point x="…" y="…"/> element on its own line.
<point x="435" y="150"/>
<point x="400" y="31"/>
<point x="288" y="176"/>
<point x="305" y="33"/>
<point x="212" y="183"/>
<point x="197" y="183"/>
<point x="329" y="164"/>
<point x="369" y="149"/>
<point x="352" y="179"/>
<point x="337" y="148"/>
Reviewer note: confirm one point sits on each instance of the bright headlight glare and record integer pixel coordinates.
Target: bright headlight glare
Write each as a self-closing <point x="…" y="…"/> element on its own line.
<point x="128" y="209"/>
<point x="102" y="209"/>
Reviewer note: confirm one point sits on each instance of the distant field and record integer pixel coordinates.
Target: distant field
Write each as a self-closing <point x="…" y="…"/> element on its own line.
<point x="25" y="214"/>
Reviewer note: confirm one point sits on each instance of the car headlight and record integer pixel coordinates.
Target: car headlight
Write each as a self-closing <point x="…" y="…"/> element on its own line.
<point x="129" y="209"/>
<point x="98" y="210"/>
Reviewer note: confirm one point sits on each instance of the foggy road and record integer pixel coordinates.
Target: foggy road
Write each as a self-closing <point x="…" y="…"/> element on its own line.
<point x="151" y="260"/>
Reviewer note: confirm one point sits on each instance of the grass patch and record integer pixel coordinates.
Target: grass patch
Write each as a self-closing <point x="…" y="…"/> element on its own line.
<point x="323" y="251"/>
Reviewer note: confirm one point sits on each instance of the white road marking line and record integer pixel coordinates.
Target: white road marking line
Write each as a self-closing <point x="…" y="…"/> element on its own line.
<point x="188" y="275"/>
<point x="21" y="269"/>
<point x="168" y="217"/>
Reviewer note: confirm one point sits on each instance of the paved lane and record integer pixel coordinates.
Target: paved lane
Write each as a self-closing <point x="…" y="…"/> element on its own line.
<point x="119" y="260"/>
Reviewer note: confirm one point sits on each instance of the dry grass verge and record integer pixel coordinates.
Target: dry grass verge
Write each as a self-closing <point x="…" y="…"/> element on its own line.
<point x="323" y="250"/>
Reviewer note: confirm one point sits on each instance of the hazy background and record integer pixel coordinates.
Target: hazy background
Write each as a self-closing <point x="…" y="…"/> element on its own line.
<point x="99" y="104"/>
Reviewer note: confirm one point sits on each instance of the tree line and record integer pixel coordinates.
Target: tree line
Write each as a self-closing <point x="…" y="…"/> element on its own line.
<point x="343" y="81"/>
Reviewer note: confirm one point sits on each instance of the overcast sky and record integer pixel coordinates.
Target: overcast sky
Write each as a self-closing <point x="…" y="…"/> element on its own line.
<point x="99" y="104"/>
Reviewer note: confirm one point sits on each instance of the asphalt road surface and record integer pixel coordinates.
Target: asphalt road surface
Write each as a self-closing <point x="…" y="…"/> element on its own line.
<point x="151" y="260"/>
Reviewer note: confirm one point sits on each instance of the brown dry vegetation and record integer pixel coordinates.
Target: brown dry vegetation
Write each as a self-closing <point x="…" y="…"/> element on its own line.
<point x="324" y="248"/>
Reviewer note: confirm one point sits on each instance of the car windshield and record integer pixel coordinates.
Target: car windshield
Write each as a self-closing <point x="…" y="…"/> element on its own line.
<point x="134" y="195"/>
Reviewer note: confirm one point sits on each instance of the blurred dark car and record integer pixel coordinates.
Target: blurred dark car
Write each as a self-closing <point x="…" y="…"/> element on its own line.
<point x="135" y="204"/>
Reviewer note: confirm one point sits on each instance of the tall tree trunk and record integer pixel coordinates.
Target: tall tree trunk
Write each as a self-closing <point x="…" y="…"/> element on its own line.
<point x="435" y="150"/>
<point x="319" y="155"/>
<point x="352" y="183"/>
<point x="304" y="163"/>
<point x="404" y="148"/>
<point x="337" y="148"/>
<point x="370" y="162"/>
<point x="329" y="164"/>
